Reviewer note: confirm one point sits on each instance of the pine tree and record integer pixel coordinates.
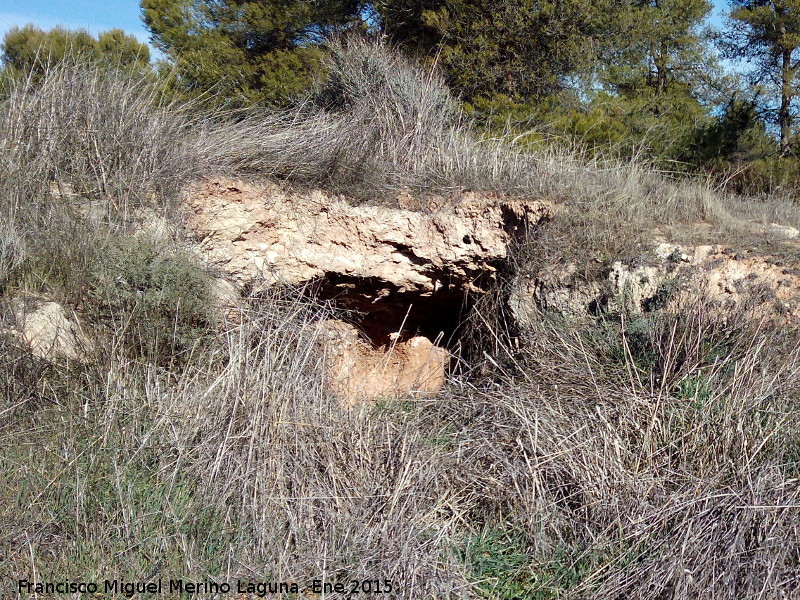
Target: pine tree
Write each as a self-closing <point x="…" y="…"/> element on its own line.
<point x="246" y="51"/>
<point x="517" y="48"/>
<point x="30" y="50"/>
<point x="766" y="33"/>
<point x="405" y="22"/>
<point x="658" y="44"/>
<point x="654" y="83"/>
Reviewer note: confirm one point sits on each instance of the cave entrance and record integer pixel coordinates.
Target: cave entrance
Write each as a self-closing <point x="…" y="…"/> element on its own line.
<point x="380" y="310"/>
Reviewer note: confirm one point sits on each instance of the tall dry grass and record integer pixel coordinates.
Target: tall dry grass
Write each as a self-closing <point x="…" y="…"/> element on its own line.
<point x="88" y="131"/>
<point x="319" y="489"/>
<point x="88" y="153"/>
<point x="241" y="466"/>
<point x="650" y="458"/>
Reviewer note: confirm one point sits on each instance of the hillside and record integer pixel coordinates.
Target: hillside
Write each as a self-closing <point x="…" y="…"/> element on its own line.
<point x="363" y="342"/>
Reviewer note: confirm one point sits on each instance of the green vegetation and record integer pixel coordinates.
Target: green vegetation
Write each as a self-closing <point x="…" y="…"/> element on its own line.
<point x="262" y="52"/>
<point x="768" y="34"/>
<point x="504" y="569"/>
<point x="30" y="50"/>
<point x="157" y="299"/>
<point x="500" y="48"/>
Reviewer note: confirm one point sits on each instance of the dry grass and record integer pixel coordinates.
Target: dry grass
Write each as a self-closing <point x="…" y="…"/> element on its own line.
<point x="379" y="124"/>
<point x="82" y="130"/>
<point x="88" y="153"/>
<point x="318" y="489"/>
<point x="242" y="466"/>
<point x="650" y="458"/>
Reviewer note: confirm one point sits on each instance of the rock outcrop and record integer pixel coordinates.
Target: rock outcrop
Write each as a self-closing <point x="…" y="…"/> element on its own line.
<point x="410" y="275"/>
<point x="729" y="278"/>
<point x="264" y="234"/>
<point x="407" y="274"/>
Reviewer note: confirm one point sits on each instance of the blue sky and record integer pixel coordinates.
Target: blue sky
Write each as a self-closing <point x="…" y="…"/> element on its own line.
<point x="102" y="15"/>
<point x="94" y="15"/>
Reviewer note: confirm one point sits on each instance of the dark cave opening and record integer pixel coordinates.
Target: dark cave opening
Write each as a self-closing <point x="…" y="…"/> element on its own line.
<point x="380" y="309"/>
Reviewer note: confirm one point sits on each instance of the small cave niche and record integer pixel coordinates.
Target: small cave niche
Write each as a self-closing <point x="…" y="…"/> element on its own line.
<point x="384" y="314"/>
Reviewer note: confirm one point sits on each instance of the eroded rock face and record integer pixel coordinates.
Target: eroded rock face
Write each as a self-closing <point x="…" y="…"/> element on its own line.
<point x="407" y="274"/>
<point x="559" y="289"/>
<point x="358" y="371"/>
<point x="263" y="234"/>
<point x="679" y="275"/>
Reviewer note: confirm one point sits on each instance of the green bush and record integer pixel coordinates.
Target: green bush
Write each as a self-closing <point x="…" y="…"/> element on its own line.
<point x="157" y="298"/>
<point x="28" y="52"/>
<point x="767" y="176"/>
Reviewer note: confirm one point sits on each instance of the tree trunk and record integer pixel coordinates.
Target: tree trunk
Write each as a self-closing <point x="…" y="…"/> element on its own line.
<point x="661" y="60"/>
<point x="784" y="112"/>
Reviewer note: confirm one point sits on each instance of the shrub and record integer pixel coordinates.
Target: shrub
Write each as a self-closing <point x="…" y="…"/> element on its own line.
<point x="157" y="299"/>
<point x="30" y="51"/>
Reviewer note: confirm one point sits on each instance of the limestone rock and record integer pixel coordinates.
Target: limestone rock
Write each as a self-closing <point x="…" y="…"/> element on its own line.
<point x="784" y="231"/>
<point x="632" y="287"/>
<point x="49" y="331"/>
<point x="266" y="235"/>
<point x="559" y="290"/>
<point x="357" y="371"/>
<point x="556" y="289"/>
<point x="679" y="275"/>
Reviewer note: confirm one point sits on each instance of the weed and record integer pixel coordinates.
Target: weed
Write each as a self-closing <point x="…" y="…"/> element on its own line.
<point x="156" y="299"/>
<point x="499" y="564"/>
<point x="791" y="457"/>
<point x="696" y="388"/>
<point x="502" y="566"/>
